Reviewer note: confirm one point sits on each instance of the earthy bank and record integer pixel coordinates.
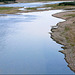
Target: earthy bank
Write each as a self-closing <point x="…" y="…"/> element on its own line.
<point x="65" y="34"/>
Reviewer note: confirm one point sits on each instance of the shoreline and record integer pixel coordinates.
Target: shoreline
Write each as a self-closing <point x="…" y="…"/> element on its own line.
<point x="64" y="35"/>
<point x="46" y="7"/>
<point x="28" y="1"/>
<point x="59" y="33"/>
<point x="32" y="1"/>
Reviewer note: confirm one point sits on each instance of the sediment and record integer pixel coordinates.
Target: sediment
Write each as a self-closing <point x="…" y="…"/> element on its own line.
<point x="65" y="35"/>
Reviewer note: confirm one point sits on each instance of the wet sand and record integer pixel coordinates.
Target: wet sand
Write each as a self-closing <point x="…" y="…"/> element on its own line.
<point x="65" y="34"/>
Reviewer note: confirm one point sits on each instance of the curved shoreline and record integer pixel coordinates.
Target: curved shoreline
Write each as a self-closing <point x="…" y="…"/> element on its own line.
<point x="62" y="35"/>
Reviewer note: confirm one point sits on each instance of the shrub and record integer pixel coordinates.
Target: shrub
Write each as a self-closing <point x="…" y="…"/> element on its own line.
<point x="67" y="3"/>
<point x="7" y="0"/>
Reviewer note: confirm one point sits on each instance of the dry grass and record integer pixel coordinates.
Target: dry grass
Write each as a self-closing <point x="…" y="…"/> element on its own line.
<point x="70" y="32"/>
<point x="66" y="32"/>
<point x="56" y="6"/>
<point x="8" y="10"/>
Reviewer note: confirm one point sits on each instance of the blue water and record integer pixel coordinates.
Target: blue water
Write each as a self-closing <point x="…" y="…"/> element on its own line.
<point x="26" y="46"/>
<point x="36" y="4"/>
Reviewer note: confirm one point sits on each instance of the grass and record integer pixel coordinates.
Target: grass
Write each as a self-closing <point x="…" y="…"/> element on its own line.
<point x="32" y="8"/>
<point x="70" y="34"/>
<point x="6" y="8"/>
<point x="9" y="10"/>
<point x="51" y="5"/>
<point x="56" y="6"/>
<point x="67" y="28"/>
<point x="14" y="9"/>
<point x="72" y="15"/>
<point x="72" y="44"/>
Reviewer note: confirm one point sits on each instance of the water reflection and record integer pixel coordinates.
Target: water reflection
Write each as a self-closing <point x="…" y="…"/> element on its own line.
<point x="28" y="48"/>
<point x="36" y="4"/>
<point x="17" y="18"/>
<point x="3" y="33"/>
<point x="6" y="24"/>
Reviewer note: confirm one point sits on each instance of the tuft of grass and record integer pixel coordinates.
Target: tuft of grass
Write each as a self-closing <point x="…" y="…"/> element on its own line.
<point x="9" y="10"/>
<point x="51" y="5"/>
<point x="72" y="15"/>
<point x="67" y="38"/>
<point x="67" y="28"/>
<point x="32" y="8"/>
<point x="72" y="45"/>
<point x="56" y="6"/>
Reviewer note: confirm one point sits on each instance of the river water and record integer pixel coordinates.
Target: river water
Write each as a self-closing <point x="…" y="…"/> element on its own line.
<point x="34" y="4"/>
<point x="26" y="46"/>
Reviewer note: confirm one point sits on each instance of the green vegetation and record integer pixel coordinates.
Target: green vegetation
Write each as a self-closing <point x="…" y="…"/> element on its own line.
<point x="6" y="8"/>
<point x="32" y="8"/>
<point x="72" y="15"/>
<point x="55" y="6"/>
<point x="67" y="3"/>
<point x="9" y="10"/>
<point x="67" y="28"/>
<point x="61" y="6"/>
<point x="67" y="39"/>
<point x="51" y="5"/>
<point x="72" y="44"/>
<point x="8" y="1"/>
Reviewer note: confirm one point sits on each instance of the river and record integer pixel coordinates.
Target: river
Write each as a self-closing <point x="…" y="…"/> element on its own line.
<point x="26" y="46"/>
<point x="34" y="4"/>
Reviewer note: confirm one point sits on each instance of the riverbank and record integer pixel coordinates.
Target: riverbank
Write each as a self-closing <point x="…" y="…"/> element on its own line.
<point x="14" y="10"/>
<point x="9" y="10"/>
<point x="30" y="1"/>
<point x="65" y="35"/>
<point x="59" y="34"/>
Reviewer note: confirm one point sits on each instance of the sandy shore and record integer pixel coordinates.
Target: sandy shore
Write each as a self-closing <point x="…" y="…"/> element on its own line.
<point x="65" y="35"/>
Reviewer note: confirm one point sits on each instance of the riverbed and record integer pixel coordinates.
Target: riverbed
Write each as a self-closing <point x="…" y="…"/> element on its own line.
<point x="26" y="46"/>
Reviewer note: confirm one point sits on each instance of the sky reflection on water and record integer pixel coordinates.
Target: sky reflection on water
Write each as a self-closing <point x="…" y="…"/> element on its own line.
<point x="35" y="4"/>
<point x="26" y="46"/>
